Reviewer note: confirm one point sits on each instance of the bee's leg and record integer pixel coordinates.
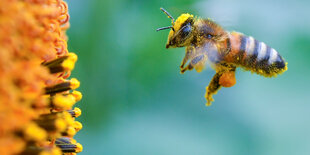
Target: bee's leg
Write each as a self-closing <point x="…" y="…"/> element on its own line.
<point x="188" y="67"/>
<point x="197" y="63"/>
<point x="213" y="87"/>
<point x="189" y="54"/>
<point x="225" y="76"/>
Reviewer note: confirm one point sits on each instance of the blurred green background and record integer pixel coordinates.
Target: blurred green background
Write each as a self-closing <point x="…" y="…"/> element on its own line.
<point x="136" y="102"/>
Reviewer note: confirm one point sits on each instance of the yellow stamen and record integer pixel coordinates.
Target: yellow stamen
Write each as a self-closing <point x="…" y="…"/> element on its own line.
<point x="56" y="151"/>
<point x="63" y="101"/>
<point x="60" y="125"/>
<point x="78" y="95"/>
<point x="65" y="63"/>
<point x="73" y="56"/>
<point x="74" y="83"/>
<point x="34" y="132"/>
<point x="77" y="125"/>
<point x="67" y="85"/>
<point x="79" y="147"/>
<point x="76" y="112"/>
<point x="52" y="151"/>
<point x="68" y="64"/>
<point x="73" y="141"/>
<point x="68" y="118"/>
<point x="70" y="132"/>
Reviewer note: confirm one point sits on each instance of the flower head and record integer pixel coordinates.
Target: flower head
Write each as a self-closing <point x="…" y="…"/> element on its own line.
<point x="36" y="99"/>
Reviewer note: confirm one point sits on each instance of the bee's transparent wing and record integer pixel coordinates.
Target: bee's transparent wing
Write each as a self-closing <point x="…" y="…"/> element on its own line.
<point x="212" y="52"/>
<point x="198" y="56"/>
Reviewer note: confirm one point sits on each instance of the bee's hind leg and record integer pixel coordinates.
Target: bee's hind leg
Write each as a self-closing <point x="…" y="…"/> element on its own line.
<point x="224" y="77"/>
<point x="212" y="88"/>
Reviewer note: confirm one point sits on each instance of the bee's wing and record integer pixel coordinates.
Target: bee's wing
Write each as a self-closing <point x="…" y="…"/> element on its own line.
<point x="212" y="52"/>
<point x="198" y="56"/>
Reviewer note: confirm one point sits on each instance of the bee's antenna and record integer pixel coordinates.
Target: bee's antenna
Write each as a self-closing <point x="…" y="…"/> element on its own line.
<point x="168" y="14"/>
<point x="164" y="28"/>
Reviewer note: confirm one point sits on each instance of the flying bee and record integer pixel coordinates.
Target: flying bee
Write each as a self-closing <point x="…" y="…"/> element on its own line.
<point x="205" y="40"/>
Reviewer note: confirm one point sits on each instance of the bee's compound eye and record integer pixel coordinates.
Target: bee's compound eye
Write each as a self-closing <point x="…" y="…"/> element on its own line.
<point x="186" y="31"/>
<point x="209" y="36"/>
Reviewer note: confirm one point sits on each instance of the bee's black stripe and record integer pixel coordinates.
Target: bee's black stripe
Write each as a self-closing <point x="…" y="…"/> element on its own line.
<point x="251" y="59"/>
<point x="242" y="49"/>
<point x="243" y="42"/>
<point x="256" y="49"/>
<point x="280" y="63"/>
<point x="263" y="63"/>
<point x="257" y="56"/>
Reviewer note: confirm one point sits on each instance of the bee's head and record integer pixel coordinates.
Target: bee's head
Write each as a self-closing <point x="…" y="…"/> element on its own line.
<point x="181" y="30"/>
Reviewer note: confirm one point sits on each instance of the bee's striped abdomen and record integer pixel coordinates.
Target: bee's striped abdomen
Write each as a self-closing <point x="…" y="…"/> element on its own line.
<point x="253" y="55"/>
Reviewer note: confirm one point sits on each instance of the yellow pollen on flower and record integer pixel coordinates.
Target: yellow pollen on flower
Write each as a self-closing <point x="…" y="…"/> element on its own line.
<point x="77" y="111"/>
<point x="52" y="151"/>
<point x="74" y="83"/>
<point x="56" y="151"/>
<point x="61" y="64"/>
<point x="77" y="125"/>
<point x="34" y="132"/>
<point x="68" y="118"/>
<point x="78" y="95"/>
<point x="63" y="101"/>
<point x="60" y="125"/>
<point x="73" y="141"/>
<point x="69" y="63"/>
<point x="71" y="131"/>
<point x="79" y="147"/>
<point x="72" y="56"/>
<point x="45" y="153"/>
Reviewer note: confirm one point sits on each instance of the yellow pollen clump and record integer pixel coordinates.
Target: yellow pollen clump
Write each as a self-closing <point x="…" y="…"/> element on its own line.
<point x="73" y="141"/>
<point x="77" y="111"/>
<point x="56" y="151"/>
<point x="79" y="147"/>
<point x="34" y="132"/>
<point x="67" y="117"/>
<point x="45" y="153"/>
<point x="69" y="63"/>
<point x="60" y="124"/>
<point x="178" y="23"/>
<point x="73" y="56"/>
<point x="71" y="131"/>
<point x="78" y="95"/>
<point x="74" y="83"/>
<point x="63" y="101"/>
<point x="78" y="126"/>
<point x="181" y="19"/>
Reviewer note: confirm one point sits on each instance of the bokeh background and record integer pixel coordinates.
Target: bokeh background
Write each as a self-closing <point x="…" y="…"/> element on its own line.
<point x="136" y="102"/>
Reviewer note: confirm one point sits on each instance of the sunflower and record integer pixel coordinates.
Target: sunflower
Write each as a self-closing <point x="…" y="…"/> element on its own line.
<point x="36" y="95"/>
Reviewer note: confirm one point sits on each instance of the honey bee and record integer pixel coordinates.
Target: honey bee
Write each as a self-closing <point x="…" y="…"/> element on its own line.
<point x="205" y="40"/>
